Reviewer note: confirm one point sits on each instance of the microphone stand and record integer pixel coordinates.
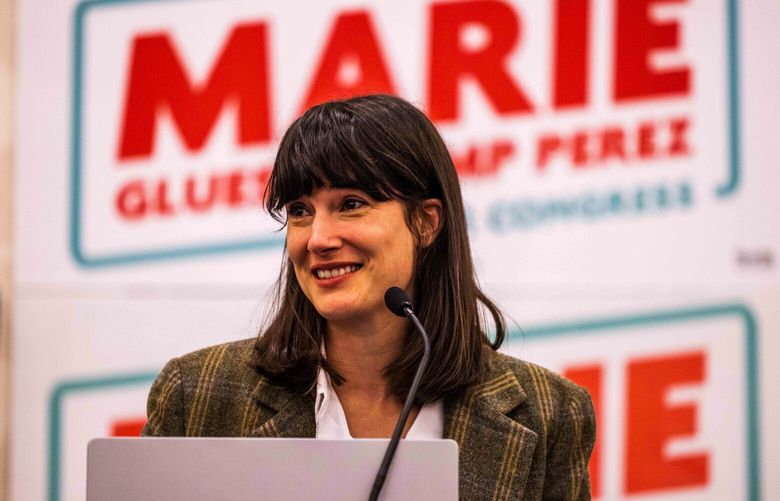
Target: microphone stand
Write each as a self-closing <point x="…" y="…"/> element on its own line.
<point x="399" y="427"/>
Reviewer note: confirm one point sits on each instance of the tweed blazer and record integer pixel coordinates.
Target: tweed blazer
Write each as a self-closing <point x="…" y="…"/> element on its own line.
<point x="523" y="433"/>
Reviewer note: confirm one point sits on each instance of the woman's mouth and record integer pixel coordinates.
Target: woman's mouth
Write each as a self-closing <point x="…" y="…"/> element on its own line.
<point x="324" y="274"/>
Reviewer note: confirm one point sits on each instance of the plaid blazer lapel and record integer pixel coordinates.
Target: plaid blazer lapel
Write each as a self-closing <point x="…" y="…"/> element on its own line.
<point x="291" y="415"/>
<point x="495" y="450"/>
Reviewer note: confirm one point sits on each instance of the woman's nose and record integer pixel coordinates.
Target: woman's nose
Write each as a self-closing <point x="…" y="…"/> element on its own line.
<point x="324" y="234"/>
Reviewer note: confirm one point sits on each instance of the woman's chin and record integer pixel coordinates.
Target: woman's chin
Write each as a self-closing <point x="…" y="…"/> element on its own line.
<point x="340" y="315"/>
<point x="341" y="312"/>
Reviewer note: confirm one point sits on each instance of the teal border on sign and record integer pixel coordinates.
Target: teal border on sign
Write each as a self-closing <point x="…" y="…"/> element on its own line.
<point x="740" y="311"/>
<point x="55" y="416"/>
<point x="205" y="248"/>
<point x="727" y="189"/>
<point x="734" y="153"/>
<point x="751" y="362"/>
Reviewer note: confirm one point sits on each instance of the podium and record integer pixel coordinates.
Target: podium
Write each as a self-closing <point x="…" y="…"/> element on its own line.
<point x="243" y="469"/>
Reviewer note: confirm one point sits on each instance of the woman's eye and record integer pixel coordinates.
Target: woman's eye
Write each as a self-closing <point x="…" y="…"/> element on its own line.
<point x="296" y="211"/>
<point x="353" y="203"/>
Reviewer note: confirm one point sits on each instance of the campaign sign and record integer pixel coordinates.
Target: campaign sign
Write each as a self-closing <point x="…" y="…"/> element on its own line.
<point x="568" y="115"/>
<point x="80" y="410"/>
<point x="675" y="395"/>
<point x="172" y="134"/>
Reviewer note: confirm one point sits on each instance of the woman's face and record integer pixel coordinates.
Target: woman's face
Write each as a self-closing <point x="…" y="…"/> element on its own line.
<point x="347" y="249"/>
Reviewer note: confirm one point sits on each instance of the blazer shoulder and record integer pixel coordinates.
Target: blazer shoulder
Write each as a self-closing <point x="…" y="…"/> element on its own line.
<point x="205" y="392"/>
<point x="562" y="415"/>
<point x="533" y="376"/>
<point x="550" y="398"/>
<point x="220" y="372"/>
<point x="234" y="356"/>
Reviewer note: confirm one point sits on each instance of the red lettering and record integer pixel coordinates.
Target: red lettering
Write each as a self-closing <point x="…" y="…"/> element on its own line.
<point x="590" y="148"/>
<point x="646" y="140"/>
<point x="548" y="144"/>
<point x="197" y="193"/>
<point x="128" y="427"/>
<point x="483" y="160"/>
<point x="613" y="144"/>
<point x="591" y="377"/>
<point x="579" y="147"/>
<point x="451" y="62"/>
<point x="234" y="189"/>
<point x="162" y="203"/>
<point x="637" y="37"/>
<point x="261" y="180"/>
<point x="159" y="82"/>
<point x="651" y="422"/>
<point x="502" y="151"/>
<point x="352" y="63"/>
<point x="465" y="163"/>
<point x="570" y="70"/>
<point x="196" y="202"/>
<point x="130" y="201"/>
<point x="678" y="144"/>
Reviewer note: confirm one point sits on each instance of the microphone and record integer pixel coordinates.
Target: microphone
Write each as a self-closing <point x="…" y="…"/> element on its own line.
<point x="399" y="303"/>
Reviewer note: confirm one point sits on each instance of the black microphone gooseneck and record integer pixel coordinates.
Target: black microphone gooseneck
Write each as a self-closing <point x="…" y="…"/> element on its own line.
<point x="399" y="303"/>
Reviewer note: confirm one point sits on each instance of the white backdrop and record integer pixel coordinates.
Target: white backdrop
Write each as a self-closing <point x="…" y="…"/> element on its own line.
<point x="617" y="160"/>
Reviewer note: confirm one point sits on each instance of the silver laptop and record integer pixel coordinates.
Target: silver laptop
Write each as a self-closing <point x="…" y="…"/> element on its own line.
<point x="239" y="469"/>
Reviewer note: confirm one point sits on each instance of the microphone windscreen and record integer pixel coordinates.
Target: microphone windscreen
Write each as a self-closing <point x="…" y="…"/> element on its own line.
<point x="397" y="300"/>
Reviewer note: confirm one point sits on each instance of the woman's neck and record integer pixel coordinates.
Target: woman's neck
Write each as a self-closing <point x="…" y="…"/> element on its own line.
<point x="360" y="352"/>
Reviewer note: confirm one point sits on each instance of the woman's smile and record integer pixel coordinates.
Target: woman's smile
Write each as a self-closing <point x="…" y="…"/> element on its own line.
<point x="328" y="274"/>
<point x="347" y="249"/>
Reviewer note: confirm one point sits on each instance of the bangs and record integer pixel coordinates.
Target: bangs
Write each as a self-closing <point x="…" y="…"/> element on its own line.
<point x="325" y="147"/>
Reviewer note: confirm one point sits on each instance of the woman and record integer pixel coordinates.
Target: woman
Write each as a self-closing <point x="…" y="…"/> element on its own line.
<point x="370" y="199"/>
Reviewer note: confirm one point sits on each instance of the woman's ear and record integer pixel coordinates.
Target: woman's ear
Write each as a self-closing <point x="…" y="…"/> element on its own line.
<point x="429" y="220"/>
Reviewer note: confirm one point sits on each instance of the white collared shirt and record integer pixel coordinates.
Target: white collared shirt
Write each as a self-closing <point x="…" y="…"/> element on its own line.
<point x="332" y="423"/>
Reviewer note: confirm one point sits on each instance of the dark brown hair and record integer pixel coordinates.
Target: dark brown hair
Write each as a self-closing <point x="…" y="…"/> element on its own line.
<point x="389" y="149"/>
